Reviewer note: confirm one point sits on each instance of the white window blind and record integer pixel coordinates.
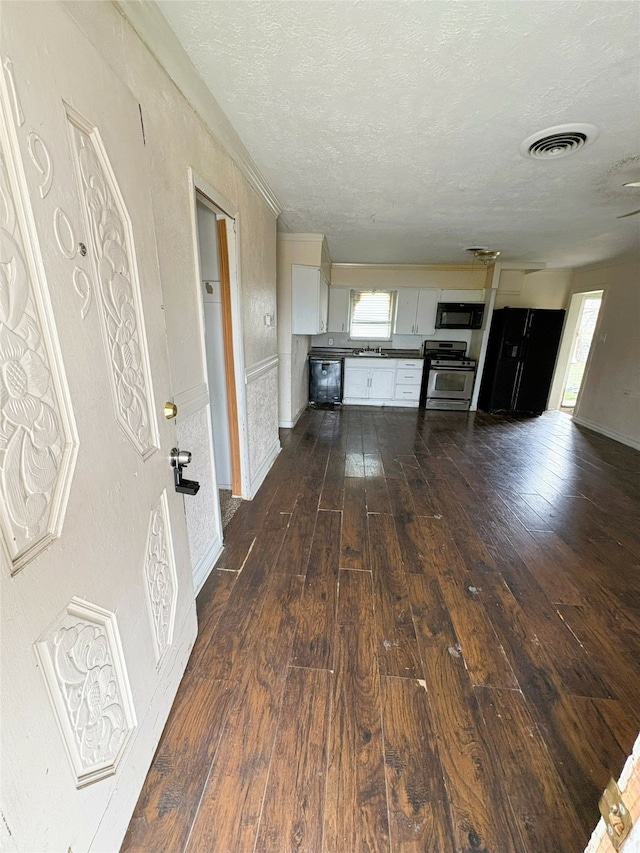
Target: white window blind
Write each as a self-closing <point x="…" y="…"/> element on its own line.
<point x="371" y="313"/>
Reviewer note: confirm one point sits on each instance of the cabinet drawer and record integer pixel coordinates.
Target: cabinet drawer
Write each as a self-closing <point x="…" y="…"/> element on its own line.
<point x="407" y="392"/>
<point x="408" y="376"/>
<point x="409" y="363"/>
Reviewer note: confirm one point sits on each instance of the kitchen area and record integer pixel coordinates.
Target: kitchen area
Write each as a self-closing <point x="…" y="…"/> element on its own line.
<point x="401" y="336"/>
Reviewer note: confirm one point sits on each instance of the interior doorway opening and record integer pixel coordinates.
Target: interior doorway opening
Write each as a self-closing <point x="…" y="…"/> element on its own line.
<point x="587" y="308"/>
<point x="218" y="334"/>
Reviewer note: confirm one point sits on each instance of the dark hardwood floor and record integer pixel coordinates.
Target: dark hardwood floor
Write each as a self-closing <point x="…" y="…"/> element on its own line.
<point x="423" y="636"/>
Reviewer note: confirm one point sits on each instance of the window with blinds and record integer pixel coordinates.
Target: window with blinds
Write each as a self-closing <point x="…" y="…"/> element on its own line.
<point x="371" y="314"/>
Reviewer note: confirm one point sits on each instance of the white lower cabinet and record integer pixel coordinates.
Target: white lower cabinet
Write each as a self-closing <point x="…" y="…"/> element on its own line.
<point x="356" y="382"/>
<point x="382" y="382"/>
<point x="369" y="380"/>
<point x="408" y="381"/>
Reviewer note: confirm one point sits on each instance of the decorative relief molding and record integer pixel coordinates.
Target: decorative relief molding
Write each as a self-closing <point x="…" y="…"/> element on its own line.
<point x="84" y="670"/>
<point x="38" y="441"/>
<point x="41" y="159"/>
<point x="260" y="368"/>
<point x="82" y="287"/>
<point x="160" y="576"/>
<point x="118" y="287"/>
<point x="65" y="235"/>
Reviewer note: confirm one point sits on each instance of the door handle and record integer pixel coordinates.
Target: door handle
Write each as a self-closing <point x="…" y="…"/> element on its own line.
<point x="180" y="458"/>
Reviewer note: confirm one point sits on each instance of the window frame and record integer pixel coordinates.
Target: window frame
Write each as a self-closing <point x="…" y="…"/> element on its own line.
<point x="353" y="294"/>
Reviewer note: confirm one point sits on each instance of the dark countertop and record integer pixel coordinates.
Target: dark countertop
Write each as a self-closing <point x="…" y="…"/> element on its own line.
<point x="341" y="352"/>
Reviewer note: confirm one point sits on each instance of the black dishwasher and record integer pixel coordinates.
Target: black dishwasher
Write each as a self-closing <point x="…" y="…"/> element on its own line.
<point x="325" y="380"/>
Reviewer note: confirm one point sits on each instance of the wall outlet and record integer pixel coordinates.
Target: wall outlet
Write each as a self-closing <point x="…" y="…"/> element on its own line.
<point x="330" y="342"/>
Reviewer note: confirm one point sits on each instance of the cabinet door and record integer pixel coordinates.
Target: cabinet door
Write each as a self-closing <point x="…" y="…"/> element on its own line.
<point x="406" y="311"/>
<point x="426" y="314"/>
<point x="356" y="382"/>
<point x="338" y="309"/>
<point x="462" y="296"/>
<point x="382" y="384"/>
<point x="305" y="300"/>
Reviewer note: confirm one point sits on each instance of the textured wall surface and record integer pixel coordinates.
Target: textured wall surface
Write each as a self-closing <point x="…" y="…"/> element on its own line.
<point x="262" y="408"/>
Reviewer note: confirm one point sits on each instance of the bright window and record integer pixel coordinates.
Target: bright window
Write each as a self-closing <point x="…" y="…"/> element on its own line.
<point x="371" y="314"/>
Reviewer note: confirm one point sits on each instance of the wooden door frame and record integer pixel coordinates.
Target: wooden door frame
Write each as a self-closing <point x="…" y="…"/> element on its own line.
<point x="228" y="228"/>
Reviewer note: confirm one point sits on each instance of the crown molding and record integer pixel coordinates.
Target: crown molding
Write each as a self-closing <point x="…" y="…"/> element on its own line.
<point x="150" y="24"/>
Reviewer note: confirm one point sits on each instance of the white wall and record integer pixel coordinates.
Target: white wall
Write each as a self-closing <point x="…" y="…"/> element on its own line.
<point x="537" y="289"/>
<point x="609" y="400"/>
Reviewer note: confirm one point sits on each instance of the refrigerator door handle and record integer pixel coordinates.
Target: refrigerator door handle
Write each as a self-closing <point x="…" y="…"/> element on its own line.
<point x="516" y="386"/>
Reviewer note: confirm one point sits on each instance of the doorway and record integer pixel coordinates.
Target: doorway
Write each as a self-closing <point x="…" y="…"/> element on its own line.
<point x="586" y="307"/>
<point x="216" y="301"/>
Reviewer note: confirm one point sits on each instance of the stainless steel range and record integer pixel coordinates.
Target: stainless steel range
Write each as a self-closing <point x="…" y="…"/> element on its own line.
<point x="448" y="376"/>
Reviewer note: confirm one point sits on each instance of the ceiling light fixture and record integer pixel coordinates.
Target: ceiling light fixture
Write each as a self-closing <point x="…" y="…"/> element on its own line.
<point x="486" y="256"/>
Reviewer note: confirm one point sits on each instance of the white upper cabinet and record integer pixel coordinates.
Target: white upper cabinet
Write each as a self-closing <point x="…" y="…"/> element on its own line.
<point x="309" y="300"/>
<point x="338" y="309"/>
<point x="416" y="311"/>
<point x="461" y="296"/>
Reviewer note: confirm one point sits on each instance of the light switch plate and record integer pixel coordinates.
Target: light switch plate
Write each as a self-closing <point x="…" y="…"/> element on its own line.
<point x="616" y="815"/>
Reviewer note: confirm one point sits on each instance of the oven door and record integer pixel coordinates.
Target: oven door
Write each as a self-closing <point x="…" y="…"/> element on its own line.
<point x="450" y="383"/>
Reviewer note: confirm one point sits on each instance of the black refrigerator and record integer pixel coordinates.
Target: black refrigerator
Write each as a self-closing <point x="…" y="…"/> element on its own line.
<point x="521" y="356"/>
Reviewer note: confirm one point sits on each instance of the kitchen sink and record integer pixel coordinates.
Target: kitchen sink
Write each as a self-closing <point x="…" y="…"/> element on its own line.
<point x="370" y="354"/>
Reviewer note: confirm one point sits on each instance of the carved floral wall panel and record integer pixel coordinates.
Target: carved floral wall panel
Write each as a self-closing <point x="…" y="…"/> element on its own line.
<point x="86" y="676"/>
<point x="38" y="442"/>
<point x="118" y="286"/>
<point x="160" y="577"/>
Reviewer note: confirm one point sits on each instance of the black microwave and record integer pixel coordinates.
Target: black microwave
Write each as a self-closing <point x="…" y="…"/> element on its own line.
<point x="459" y="315"/>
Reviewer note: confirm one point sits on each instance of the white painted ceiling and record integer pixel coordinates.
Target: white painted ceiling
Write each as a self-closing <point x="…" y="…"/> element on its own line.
<point x="394" y="127"/>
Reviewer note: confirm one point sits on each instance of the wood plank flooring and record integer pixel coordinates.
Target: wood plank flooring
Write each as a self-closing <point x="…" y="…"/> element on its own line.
<point x="423" y="636"/>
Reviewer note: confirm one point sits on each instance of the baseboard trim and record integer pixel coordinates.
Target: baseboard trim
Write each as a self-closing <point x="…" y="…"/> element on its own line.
<point x="205" y="564"/>
<point x="258" y="478"/>
<point x="609" y="433"/>
<point x="292" y="423"/>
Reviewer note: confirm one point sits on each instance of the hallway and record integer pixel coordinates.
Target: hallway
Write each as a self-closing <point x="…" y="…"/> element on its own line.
<point x="423" y="636"/>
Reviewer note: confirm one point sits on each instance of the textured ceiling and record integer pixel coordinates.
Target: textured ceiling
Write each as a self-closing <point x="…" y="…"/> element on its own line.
<point x="394" y="127"/>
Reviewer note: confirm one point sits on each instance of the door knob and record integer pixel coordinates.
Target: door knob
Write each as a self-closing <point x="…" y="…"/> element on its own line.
<point x="180" y="458"/>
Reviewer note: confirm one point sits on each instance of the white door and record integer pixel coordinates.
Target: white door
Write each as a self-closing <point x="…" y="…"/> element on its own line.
<point x="97" y="601"/>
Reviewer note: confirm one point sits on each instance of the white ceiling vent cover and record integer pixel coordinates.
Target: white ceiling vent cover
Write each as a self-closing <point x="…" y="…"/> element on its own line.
<point x="559" y="141"/>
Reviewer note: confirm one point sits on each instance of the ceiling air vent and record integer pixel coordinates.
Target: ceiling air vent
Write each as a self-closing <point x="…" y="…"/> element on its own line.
<point x="559" y="141"/>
